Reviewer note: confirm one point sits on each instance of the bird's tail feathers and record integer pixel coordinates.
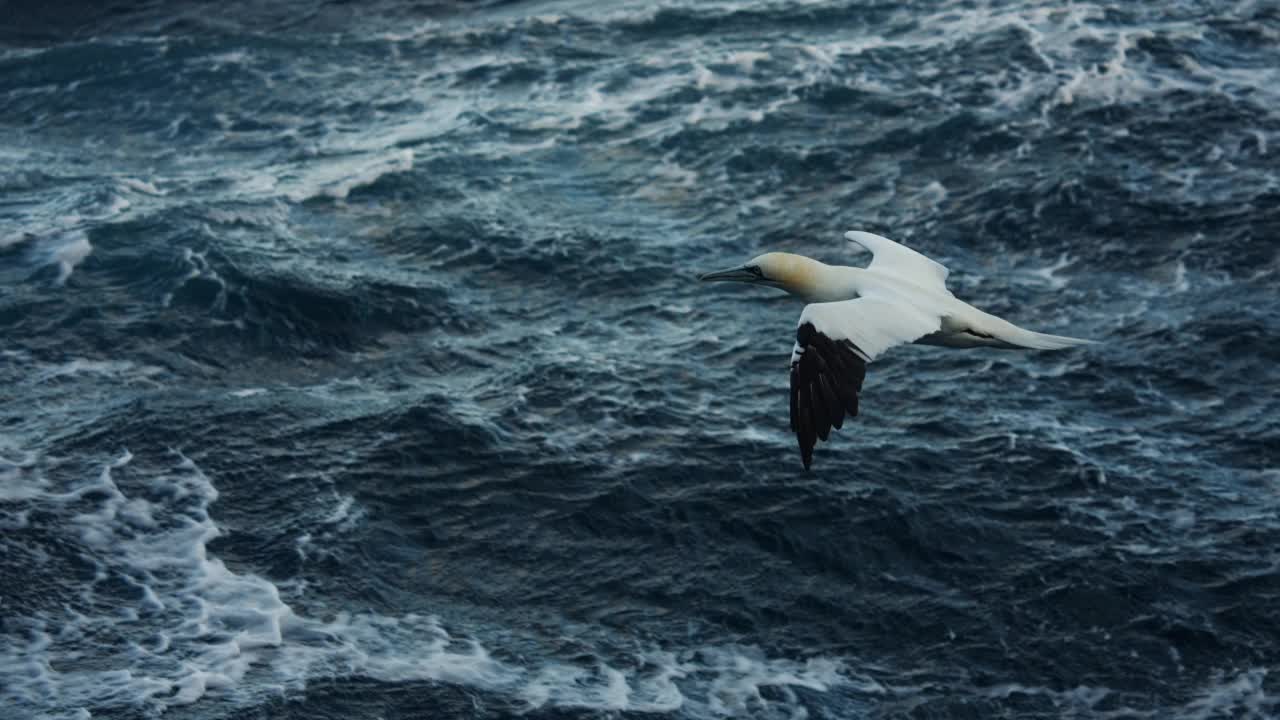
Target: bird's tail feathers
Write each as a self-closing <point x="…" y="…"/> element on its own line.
<point x="1040" y="341"/>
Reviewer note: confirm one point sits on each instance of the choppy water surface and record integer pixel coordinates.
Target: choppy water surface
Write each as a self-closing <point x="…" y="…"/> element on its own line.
<point x="352" y="364"/>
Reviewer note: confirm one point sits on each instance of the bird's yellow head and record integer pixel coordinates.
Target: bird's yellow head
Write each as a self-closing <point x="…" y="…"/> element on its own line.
<point x="796" y="274"/>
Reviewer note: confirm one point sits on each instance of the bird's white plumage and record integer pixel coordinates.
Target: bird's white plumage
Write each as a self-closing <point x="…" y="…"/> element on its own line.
<point x="901" y="261"/>
<point x="873" y="323"/>
<point x="855" y="314"/>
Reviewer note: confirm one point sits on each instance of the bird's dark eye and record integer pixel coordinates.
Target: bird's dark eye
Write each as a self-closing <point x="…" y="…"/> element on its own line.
<point x="755" y="270"/>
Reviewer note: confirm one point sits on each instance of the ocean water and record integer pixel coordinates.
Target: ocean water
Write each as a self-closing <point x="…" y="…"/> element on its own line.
<point x="352" y="364"/>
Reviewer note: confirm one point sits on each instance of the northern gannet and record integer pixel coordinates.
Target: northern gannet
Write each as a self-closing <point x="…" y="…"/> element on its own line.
<point x="855" y="314"/>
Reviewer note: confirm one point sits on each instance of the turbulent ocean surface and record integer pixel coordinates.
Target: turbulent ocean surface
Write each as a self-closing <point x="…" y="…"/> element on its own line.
<point x="352" y="364"/>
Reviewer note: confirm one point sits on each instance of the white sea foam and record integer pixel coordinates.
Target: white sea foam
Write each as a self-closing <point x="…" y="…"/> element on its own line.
<point x="119" y="369"/>
<point x="1049" y="273"/>
<point x="346" y="513"/>
<point x="337" y="177"/>
<point x="1055" y="34"/>
<point x="115" y="206"/>
<point x="12" y="239"/>
<point x="140" y="186"/>
<point x="197" y="266"/>
<point x="746" y="60"/>
<point x="195" y="627"/>
<point x="668" y="181"/>
<point x="1236" y="694"/>
<point x="66" y="252"/>
<point x="230" y="57"/>
<point x="427" y="29"/>
<point x="202" y="622"/>
<point x="1239" y="694"/>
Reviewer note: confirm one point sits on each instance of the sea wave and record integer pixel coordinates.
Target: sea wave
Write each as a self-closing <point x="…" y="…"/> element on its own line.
<point x="393" y="308"/>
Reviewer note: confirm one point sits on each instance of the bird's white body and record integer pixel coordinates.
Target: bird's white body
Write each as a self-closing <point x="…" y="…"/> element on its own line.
<point x="854" y="314"/>
<point x="906" y="281"/>
<point x="961" y="325"/>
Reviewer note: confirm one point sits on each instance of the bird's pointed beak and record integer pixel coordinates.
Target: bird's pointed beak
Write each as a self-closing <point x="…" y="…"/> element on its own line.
<point x="734" y="274"/>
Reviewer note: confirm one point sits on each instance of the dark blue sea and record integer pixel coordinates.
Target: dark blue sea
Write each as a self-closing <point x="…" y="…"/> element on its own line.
<point x="352" y="363"/>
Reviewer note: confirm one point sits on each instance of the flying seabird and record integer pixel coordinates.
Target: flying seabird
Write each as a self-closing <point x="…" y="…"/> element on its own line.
<point x="854" y="314"/>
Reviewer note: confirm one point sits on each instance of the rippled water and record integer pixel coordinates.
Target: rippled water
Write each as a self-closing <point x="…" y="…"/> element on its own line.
<point x="352" y="363"/>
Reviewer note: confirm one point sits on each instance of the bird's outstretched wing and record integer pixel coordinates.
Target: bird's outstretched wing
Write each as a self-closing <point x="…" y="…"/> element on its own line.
<point x="901" y="261"/>
<point x="834" y="343"/>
